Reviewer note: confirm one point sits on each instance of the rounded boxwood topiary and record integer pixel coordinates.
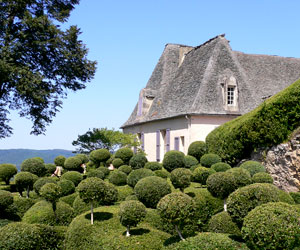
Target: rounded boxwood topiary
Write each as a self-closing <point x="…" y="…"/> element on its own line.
<point x="221" y="167"/>
<point x="73" y="163"/>
<point x="59" y="160"/>
<point x="117" y="162"/>
<point x="95" y="173"/>
<point x="67" y="187"/>
<point x="242" y="177"/>
<point x="253" y="167"/>
<point x="125" y="169"/>
<point x="274" y="225"/>
<point x="295" y="196"/>
<point x="99" y="155"/>
<point x="34" y="165"/>
<point x="131" y="213"/>
<point x="222" y="223"/>
<point x="262" y="178"/>
<point x="50" y="168"/>
<point x="105" y="170"/>
<point x="22" y="205"/>
<point x="207" y="160"/>
<point x="162" y="173"/>
<point x="6" y="199"/>
<point x="201" y="174"/>
<point x="181" y="178"/>
<point x="150" y="190"/>
<point x="83" y="157"/>
<point x="197" y="149"/>
<point x="124" y="154"/>
<point x="285" y="197"/>
<point x="25" y="181"/>
<point x="138" y="174"/>
<point x="177" y="209"/>
<point x="173" y="159"/>
<point x="7" y="171"/>
<point x="244" y="199"/>
<point x="111" y="195"/>
<point x="118" y="178"/>
<point x="138" y="161"/>
<point x="153" y="165"/>
<point x="190" y="161"/>
<point x="73" y="176"/>
<point x="131" y="198"/>
<point x="51" y="192"/>
<point x="41" y="182"/>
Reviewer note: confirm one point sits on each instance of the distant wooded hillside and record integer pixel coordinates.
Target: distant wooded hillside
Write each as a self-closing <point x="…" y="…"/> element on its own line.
<point x="17" y="156"/>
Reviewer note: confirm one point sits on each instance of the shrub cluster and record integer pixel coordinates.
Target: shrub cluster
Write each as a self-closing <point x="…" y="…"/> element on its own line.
<point x="50" y="168"/>
<point x="73" y="176"/>
<point x="242" y="176"/>
<point x="41" y="182"/>
<point x="25" y="181"/>
<point x="118" y="178"/>
<point x="201" y="174"/>
<point x="59" y="160"/>
<point x="269" y="124"/>
<point x="173" y="159"/>
<point x="262" y="178"/>
<point x="73" y="163"/>
<point x="295" y="196"/>
<point x="124" y="154"/>
<point x="190" y="161"/>
<point x="162" y="173"/>
<point x="207" y="160"/>
<point x="153" y="165"/>
<point x="105" y="170"/>
<point x="197" y="149"/>
<point x="95" y="173"/>
<point x="222" y="223"/>
<point x="138" y="161"/>
<point x="34" y="165"/>
<point x="6" y="199"/>
<point x="117" y="162"/>
<point x="67" y="187"/>
<point x="99" y="155"/>
<point x="125" y="169"/>
<point x="221" y="167"/>
<point x="181" y="178"/>
<point x="253" y="167"/>
<point x="137" y="175"/>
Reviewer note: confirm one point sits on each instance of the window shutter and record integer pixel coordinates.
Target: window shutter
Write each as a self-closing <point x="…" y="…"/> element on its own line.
<point x="134" y="148"/>
<point x="167" y="140"/>
<point x="176" y="143"/>
<point x="142" y="141"/>
<point x="158" y="145"/>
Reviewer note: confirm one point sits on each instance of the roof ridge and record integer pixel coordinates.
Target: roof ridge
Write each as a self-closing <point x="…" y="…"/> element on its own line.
<point x="290" y="57"/>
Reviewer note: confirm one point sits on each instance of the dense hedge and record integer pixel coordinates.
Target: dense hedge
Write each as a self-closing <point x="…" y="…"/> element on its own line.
<point x="272" y="226"/>
<point x="197" y="149"/>
<point x="269" y="124"/>
<point x="173" y="159"/>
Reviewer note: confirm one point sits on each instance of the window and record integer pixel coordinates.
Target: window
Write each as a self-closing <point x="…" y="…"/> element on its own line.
<point x="230" y="96"/>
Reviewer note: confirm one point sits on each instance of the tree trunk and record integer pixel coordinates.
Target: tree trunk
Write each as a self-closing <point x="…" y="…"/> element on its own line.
<point x="127" y="231"/>
<point x="225" y="205"/>
<point x="92" y="214"/>
<point x="27" y="196"/>
<point x="54" y="211"/>
<point x="179" y="233"/>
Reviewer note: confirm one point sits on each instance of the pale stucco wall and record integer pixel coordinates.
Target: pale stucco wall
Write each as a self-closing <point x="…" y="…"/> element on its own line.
<point x="188" y="128"/>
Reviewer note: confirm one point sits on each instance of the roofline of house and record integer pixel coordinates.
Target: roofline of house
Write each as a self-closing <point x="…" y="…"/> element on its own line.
<point x="177" y="116"/>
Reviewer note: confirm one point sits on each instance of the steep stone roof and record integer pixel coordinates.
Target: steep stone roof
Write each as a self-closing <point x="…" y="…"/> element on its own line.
<point x="188" y="81"/>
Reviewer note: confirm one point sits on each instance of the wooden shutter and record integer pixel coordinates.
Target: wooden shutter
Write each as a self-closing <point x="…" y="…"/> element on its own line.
<point x="176" y="143"/>
<point x="142" y="141"/>
<point x="158" y="145"/>
<point x="167" y="140"/>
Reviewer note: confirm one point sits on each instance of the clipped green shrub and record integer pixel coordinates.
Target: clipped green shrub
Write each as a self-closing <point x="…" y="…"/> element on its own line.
<point x="111" y="194"/>
<point x="73" y="176"/>
<point x="190" y="161"/>
<point x="41" y="182"/>
<point x="208" y="241"/>
<point x="177" y="209"/>
<point x="95" y="173"/>
<point x="99" y="155"/>
<point x="118" y="178"/>
<point x="274" y="225"/>
<point x="173" y="159"/>
<point x="105" y="170"/>
<point x="51" y="192"/>
<point x="131" y="198"/>
<point x="123" y="192"/>
<point x="138" y="161"/>
<point x="60" y="160"/>
<point x="269" y="124"/>
<point x="117" y="162"/>
<point x="197" y="149"/>
<point x="73" y="163"/>
<point x="67" y="187"/>
<point x="50" y="168"/>
<point x="69" y="199"/>
<point x="194" y="167"/>
<point x="21" y="205"/>
<point x="150" y="190"/>
<point x="153" y="165"/>
<point x="6" y="199"/>
<point x="253" y="167"/>
<point x="162" y="173"/>
<point x="34" y="166"/>
<point x="207" y="160"/>
<point x="125" y="169"/>
<point x="83" y="157"/>
<point x="19" y="235"/>
<point x="221" y="167"/>
<point x="7" y="171"/>
<point x="262" y="178"/>
<point x="201" y="174"/>
<point x="242" y="177"/>
<point x="124" y="154"/>
<point x="25" y="181"/>
<point x="285" y="197"/>
<point x="295" y="196"/>
<point x="181" y="178"/>
<point x="80" y="206"/>
<point x="222" y="223"/>
<point x="138" y="174"/>
<point x="131" y="213"/>
<point x="244" y="199"/>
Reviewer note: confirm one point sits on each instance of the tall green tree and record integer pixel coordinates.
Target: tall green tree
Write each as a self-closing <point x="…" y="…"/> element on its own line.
<point x="103" y="138"/>
<point x="39" y="61"/>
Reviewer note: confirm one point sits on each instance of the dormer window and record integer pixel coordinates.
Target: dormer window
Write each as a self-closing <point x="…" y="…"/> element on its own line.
<point x="230" y="93"/>
<point x="230" y="96"/>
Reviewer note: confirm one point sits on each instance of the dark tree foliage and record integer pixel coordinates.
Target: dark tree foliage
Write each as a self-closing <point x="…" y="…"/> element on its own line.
<point x="39" y="61"/>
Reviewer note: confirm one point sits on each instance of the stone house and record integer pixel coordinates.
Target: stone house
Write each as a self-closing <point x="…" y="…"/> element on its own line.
<point x="192" y="90"/>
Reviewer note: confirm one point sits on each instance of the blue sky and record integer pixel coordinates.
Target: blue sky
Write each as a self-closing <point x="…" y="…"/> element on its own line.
<point x="126" y="38"/>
